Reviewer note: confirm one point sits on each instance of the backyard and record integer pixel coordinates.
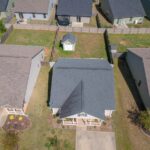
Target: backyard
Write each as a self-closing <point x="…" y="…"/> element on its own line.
<point x="124" y="41"/>
<point x="44" y="126"/>
<point x="84" y="48"/>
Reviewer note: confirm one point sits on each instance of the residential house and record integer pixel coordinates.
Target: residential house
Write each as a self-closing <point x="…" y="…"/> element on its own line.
<point x="138" y="60"/>
<point x="33" y="9"/>
<point x="74" y="12"/>
<point x="69" y="42"/>
<point x="19" y="69"/>
<point x="146" y="5"/>
<point x="82" y="91"/>
<point x="123" y="12"/>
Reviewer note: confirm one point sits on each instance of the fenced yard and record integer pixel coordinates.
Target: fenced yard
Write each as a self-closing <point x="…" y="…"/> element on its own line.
<point x="124" y="41"/>
<point x="45" y="127"/>
<point x="88" y="45"/>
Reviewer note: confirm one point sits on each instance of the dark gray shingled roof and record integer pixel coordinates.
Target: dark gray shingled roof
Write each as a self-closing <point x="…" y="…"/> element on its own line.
<point x="3" y="5"/>
<point x="126" y="8"/>
<point x="15" y="63"/>
<point x="32" y="6"/>
<point x="144" y="53"/>
<point x="74" y="8"/>
<point x="82" y="85"/>
<point x="146" y="6"/>
<point x="69" y="37"/>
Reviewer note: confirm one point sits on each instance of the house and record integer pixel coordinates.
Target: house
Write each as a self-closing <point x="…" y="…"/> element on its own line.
<point x="19" y="69"/>
<point x="6" y="8"/>
<point x="138" y="60"/>
<point x="82" y="91"/>
<point x="146" y="5"/>
<point x="33" y="9"/>
<point x="74" y="12"/>
<point x="69" y="42"/>
<point x="123" y="11"/>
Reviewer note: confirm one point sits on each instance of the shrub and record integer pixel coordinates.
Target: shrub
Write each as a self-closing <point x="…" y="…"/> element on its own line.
<point x="2" y="27"/>
<point x="144" y="119"/>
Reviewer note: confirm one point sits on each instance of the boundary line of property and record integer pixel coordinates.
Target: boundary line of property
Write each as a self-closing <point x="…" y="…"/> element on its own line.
<point x="83" y="29"/>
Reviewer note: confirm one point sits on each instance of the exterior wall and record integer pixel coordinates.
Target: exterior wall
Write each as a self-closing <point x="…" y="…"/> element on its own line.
<point x="34" y="71"/>
<point x="134" y="20"/>
<point x="73" y="19"/>
<point x="106" y="9"/>
<point x="68" y="47"/>
<point x="30" y="16"/>
<point x="136" y="66"/>
<point x="85" y="19"/>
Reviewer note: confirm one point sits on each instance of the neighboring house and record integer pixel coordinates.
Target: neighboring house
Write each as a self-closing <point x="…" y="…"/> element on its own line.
<point x="69" y="42"/>
<point x="123" y="11"/>
<point x="33" y="9"/>
<point x="82" y="91"/>
<point x="146" y="5"/>
<point x="6" y="8"/>
<point x="74" y="12"/>
<point x="138" y="60"/>
<point x="19" y="69"/>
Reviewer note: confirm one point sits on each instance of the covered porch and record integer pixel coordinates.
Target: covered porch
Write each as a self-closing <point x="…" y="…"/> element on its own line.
<point x="81" y="122"/>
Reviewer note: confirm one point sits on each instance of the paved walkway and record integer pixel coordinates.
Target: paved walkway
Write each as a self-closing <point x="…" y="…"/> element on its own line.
<point x="94" y="140"/>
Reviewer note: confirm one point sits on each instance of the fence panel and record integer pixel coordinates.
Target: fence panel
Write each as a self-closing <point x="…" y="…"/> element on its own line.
<point x="83" y="29"/>
<point x="6" y="34"/>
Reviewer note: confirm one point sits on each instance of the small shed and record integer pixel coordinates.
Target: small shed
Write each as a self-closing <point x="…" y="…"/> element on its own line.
<point x="69" y="42"/>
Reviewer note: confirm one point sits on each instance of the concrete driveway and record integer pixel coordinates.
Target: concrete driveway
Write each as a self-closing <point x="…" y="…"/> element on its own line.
<point x="95" y="140"/>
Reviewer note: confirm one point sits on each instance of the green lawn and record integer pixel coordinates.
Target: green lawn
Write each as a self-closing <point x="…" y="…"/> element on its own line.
<point x="145" y="24"/>
<point x="124" y="41"/>
<point x="37" y="137"/>
<point x="88" y="45"/>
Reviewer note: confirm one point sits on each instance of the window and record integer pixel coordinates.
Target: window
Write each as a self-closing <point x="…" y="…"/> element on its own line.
<point x="44" y="15"/>
<point x="139" y="83"/>
<point x="78" y="19"/>
<point x="33" y="15"/>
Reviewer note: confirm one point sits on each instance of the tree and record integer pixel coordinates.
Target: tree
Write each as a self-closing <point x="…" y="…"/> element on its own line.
<point x="2" y="27"/>
<point x="144" y="120"/>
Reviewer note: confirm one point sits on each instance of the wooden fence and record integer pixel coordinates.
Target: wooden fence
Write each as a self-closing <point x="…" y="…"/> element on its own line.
<point x="6" y="34"/>
<point x="84" y="29"/>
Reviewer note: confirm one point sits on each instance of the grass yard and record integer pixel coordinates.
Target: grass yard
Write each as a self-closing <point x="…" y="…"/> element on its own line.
<point x="88" y="45"/>
<point x="124" y="41"/>
<point x="85" y="48"/>
<point x="128" y="135"/>
<point x="37" y="137"/>
<point x="145" y="24"/>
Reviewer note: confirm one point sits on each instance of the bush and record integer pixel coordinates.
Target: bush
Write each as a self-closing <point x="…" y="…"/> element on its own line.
<point x="144" y="119"/>
<point x="2" y="27"/>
